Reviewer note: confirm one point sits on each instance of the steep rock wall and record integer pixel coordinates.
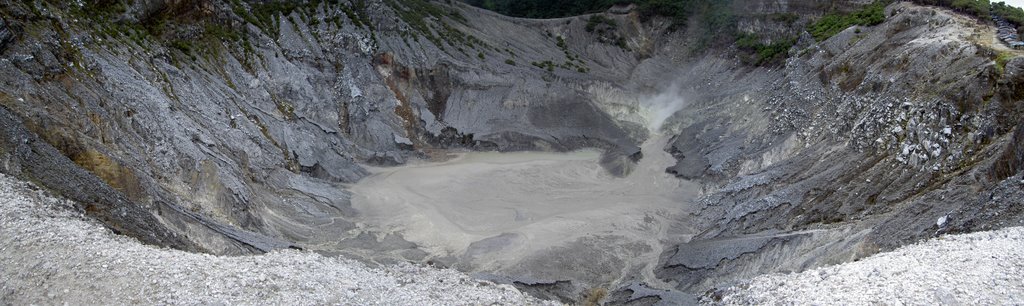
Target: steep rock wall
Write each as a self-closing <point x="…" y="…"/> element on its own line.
<point x="872" y="139"/>
<point x="857" y="144"/>
<point x="260" y="132"/>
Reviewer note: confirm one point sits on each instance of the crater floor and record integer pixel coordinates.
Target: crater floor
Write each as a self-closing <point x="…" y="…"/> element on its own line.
<point x="491" y="211"/>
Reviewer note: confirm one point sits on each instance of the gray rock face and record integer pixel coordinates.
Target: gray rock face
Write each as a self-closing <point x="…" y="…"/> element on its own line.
<point x="852" y="147"/>
<point x="25" y="154"/>
<point x="6" y="36"/>
<point x="141" y="10"/>
<point x="257" y="138"/>
<point x="641" y="294"/>
<point x="240" y="145"/>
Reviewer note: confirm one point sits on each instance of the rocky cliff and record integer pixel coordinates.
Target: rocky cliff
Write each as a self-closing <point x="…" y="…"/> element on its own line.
<point x="869" y="140"/>
<point x="235" y="127"/>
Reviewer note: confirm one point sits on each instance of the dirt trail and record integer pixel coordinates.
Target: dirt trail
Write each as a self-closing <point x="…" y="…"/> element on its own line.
<point x="984" y="35"/>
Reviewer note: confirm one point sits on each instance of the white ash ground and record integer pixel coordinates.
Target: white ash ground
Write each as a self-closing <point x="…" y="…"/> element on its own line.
<point x="50" y="254"/>
<point x="984" y="268"/>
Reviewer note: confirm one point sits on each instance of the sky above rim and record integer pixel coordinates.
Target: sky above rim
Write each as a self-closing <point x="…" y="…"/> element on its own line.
<point x="1017" y="3"/>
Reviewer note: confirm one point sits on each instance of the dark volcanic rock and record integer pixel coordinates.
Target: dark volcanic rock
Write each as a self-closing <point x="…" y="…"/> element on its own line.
<point x="641" y="294"/>
<point x="558" y="290"/>
<point x="6" y="36"/>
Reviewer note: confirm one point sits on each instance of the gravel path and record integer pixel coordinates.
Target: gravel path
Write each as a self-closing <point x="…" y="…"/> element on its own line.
<point x="50" y="254"/>
<point x="985" y="268"/>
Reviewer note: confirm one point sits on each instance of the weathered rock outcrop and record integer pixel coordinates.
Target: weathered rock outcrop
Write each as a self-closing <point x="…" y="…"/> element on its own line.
<point x="234" y="127"/>
<point x="253" y="125"/>
<point x="23" y="153"/>
<point x="860" y="144"/>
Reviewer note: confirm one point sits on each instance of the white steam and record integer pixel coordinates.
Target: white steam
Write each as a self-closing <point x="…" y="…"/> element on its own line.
<point x="658" y="108"/>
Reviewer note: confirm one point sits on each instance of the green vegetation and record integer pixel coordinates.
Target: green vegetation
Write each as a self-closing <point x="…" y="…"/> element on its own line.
<point x="510" y="62"/>
<point x="184" y="46"/>
<point x="875" y="13"/>
<point x="415" y="13"/>
<point x="717" y="20"/>
<point x="678" y="11"/>
<point x="570" y="65"/>
<point x="715" y="13"/>
<point x="978" y="8"/>
<point x="548" y="65"/>
<point x="157" y="29"/>
<point x="833" y="23"/>
<point x="787" y="18"/>
<point x="714" y="17"/>
<point x="573" y="61"/>
<point x="267" y="15"/>
<point x="605" y="28"/>
<point x="99" y="10"/>
<point x="186" y="29"/>
<point x="1001" y="59"/>
<point x="545" y="8"/>
<point x="286" y="108"/>
<point x="621" y="43"/>
<point x="561" y="44"/>
<point x="758" y="53"/>
<point x="357" y="14"/>
<point x="600" y="23"/>
<point x="430" y="21"/>
<point x="1012" y="14"/>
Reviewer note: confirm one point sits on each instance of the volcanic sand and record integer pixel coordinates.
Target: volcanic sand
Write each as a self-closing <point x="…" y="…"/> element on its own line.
<point x="526" y="202"/>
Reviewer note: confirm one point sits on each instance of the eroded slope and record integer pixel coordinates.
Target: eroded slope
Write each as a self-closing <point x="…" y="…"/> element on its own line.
<point x="241" y="125"/>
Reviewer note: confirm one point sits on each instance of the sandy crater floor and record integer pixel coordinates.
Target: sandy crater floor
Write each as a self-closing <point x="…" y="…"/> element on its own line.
<point x="493" y="210"/>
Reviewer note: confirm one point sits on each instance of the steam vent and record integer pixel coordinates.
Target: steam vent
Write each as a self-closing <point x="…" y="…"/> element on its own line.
<point x="511" y="152"/>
